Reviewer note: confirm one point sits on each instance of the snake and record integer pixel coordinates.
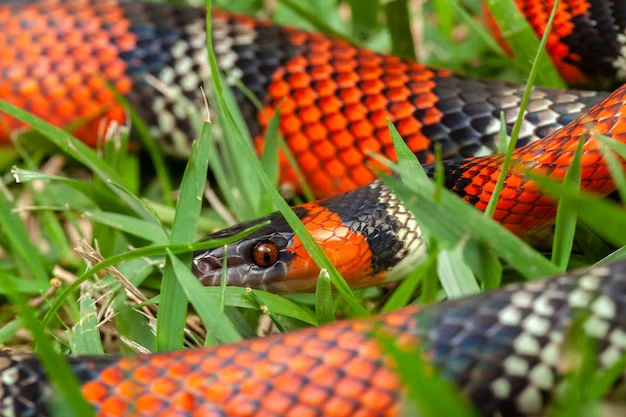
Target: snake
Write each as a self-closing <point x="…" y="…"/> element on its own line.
<point x="502" y="349"/>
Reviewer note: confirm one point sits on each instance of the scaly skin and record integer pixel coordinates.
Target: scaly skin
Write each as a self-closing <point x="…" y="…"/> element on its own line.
<point x="503" y="350"/>
<point x="55" y="56"/>
<point x="372" y="238"/>
<point x="586" y="38"/>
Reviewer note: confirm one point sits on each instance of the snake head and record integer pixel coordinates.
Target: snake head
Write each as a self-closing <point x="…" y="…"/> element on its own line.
<point x="367" y="234"/>
<point x="263" y="259"/>
<point x="274" y="259"/>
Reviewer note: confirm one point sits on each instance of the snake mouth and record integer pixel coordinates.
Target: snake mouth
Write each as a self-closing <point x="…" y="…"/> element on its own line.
<point x="209" y="269"/>
<point x="209" y="263"/>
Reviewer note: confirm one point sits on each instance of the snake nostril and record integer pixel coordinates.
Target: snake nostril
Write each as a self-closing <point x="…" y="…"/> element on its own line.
<point x="208" y="264"/>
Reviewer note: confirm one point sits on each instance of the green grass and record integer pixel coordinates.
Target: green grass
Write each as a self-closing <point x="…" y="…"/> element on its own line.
<point x="176" y="287"/>
<point x="147" y="233"/>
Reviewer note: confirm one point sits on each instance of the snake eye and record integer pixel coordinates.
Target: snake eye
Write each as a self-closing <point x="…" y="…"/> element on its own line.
<point x="265" y="254"/>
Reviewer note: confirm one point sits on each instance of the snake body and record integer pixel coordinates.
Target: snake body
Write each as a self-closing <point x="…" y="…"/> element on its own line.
<point x="335" y="96"/>
<point x="372" y="238"/>
<point x="502" y="349"/>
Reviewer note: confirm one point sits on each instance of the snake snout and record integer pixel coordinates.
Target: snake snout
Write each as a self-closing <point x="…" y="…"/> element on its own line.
<point x="208" y="269"/>
<point x="239" y="268"/>
<point x="208" y="264"/>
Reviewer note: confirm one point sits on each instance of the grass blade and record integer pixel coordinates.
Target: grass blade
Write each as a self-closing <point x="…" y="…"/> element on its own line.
<point x="223" y="281"/>
<point x="402" y="295"/>
<point x="241" y="174"/>
<point x="453" y="219"/>
<point x="238" y="297"/>
<point x="131" y="225"/>
<point x="59" y="244"/>
<point x="591" y="244"/>
<point x="477" y="27"/>
<point x="616" y="146"/>
<point x="317" y="22"/>
<point x="566" y="218"/>
<point x="523" y="41"/>
<point x="267" y="311"/>
<point x="407" y="161"/>
<point x="216" y="322"/>
<point x="14" y="230"/>
<point x="134" y="326"/>
<point x="604" y="380"/>
<point x="487" y="266"/>
<point x="614" y="257"/>
<point x="8" y="330"/>
<point x="306" y="190"/>
<point x="77" y="150"/>
<point x="269" y="159"/>
<point x="532" y="75"/>
<point x="209" y="222"/>
<point x="85" y="337"/>
<point x="149" y="144"/>
<point x="23" y="286"/>
<point x="503" y="138"/>
<point x="324" y="306"/>
<point x="439" y="173"/>
<point x="605" y="218"/>
<point x="445" y="20"/>
<point x="171" y="322"/>
<point x="455" y="275"/>
<point x="100" y="196"/>
<point x="608" y="146"/>
<point x="399" y="27"/>
<point x="364" y="16"/>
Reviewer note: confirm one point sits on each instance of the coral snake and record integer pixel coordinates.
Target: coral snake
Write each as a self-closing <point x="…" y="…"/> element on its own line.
<point x="501" y="348"/>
